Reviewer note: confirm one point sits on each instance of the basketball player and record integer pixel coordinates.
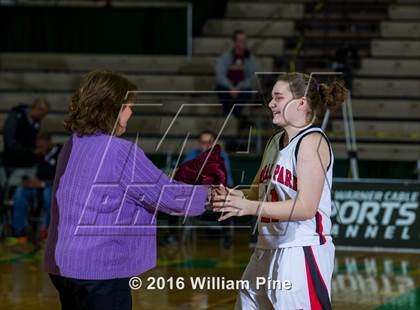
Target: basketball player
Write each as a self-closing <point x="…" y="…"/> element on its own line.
<point x="293" y="201"/>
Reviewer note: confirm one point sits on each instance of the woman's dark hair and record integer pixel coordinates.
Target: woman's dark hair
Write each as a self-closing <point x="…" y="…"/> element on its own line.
<point x="320" y="95"/>
<point x="95" y="106"/>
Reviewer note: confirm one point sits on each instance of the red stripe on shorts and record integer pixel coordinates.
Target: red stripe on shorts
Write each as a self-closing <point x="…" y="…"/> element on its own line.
<point x="315" y="305"/>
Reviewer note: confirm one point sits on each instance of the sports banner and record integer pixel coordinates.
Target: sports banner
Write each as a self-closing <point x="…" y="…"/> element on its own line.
<point x="376" y="214"/>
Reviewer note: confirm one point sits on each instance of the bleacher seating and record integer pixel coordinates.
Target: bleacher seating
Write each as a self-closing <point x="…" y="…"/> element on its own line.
<point x="386" y="108"/>
<point x="390" y="67"/>
<point x="218" y="45"/>
<point x="260" y="28"/>
<point x="265" y="10"/>
<point x="393" y="29"/>
<point x="127" y="63"/>
<point x="391" y="88"/>
<point x="395" y="48"/>
<point x="404" y="11"/>
<point x="39" y="81"/>
<point x="386" y="88"/>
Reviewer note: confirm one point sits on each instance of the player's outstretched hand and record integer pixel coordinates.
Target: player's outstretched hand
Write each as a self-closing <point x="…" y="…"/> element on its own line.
<point x="231" y="203"/>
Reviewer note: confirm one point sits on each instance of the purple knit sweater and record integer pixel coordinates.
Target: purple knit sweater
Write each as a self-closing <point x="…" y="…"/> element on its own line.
<point x="106" y="196"/>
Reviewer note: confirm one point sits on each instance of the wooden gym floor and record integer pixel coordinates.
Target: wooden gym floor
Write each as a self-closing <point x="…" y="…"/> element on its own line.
<point x="362" y="280"/>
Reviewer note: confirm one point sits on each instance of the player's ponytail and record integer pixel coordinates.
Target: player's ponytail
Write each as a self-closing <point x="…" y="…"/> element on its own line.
<point x="332" y="95"/>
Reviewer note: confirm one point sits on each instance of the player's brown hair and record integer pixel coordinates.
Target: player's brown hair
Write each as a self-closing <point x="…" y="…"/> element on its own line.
<point x="320" y="95"/>
<point x="95" y="105"/>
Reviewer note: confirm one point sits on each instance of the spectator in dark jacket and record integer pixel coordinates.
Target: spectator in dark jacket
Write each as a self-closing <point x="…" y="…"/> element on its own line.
<point x="206" y="140"/>
<point x="37" y="187"/>
<point x="19" y="134"/>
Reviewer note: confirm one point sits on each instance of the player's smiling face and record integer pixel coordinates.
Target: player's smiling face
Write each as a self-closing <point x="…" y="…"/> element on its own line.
<point x="280" y="96"/>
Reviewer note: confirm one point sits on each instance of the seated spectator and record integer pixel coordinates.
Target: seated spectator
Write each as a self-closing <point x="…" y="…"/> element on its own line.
<point x="205" y="140"/>
<point x="37" y="187"/>
<point x="234" y="72"/>
<point x="19" y="134"/>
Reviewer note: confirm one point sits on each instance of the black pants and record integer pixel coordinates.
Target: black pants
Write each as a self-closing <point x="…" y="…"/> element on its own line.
<point x="228" y="101"/>
<point x="93" y="294"/>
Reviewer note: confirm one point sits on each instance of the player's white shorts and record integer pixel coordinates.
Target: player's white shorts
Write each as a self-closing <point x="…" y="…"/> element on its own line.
<point x="309" y="270"/>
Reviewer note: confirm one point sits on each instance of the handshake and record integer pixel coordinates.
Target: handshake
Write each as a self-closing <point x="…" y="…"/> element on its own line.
<point x="230" y="202"/>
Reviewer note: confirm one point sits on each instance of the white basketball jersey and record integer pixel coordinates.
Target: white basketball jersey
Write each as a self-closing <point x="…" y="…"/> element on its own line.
<point x="278" y="182"/>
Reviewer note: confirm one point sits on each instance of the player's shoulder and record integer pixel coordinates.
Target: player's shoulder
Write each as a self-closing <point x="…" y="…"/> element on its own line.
<point x="314" y="137"/>
<point x="313" y="142"/>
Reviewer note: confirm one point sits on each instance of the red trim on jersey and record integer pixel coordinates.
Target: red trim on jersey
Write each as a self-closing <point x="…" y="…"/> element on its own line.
<point x="274" y="197"/>
<point x="319" y="227"/>
<point x="315" y="304"/>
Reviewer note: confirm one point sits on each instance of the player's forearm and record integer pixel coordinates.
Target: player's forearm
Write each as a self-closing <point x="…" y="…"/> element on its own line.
<point x="288" y="210"/>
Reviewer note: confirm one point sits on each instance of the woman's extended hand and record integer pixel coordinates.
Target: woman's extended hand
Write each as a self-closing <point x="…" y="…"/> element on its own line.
<point x="225" y="191"/>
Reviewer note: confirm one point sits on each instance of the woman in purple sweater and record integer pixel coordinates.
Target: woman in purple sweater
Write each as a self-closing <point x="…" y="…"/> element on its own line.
<point x="106" y="195"/>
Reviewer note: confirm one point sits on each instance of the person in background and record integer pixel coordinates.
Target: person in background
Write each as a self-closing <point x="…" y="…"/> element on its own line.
<point x="37" y="187"/>
<point x="205" y="141"/>
<point x="234" y="72"/>
<point x="20" y="130"/>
